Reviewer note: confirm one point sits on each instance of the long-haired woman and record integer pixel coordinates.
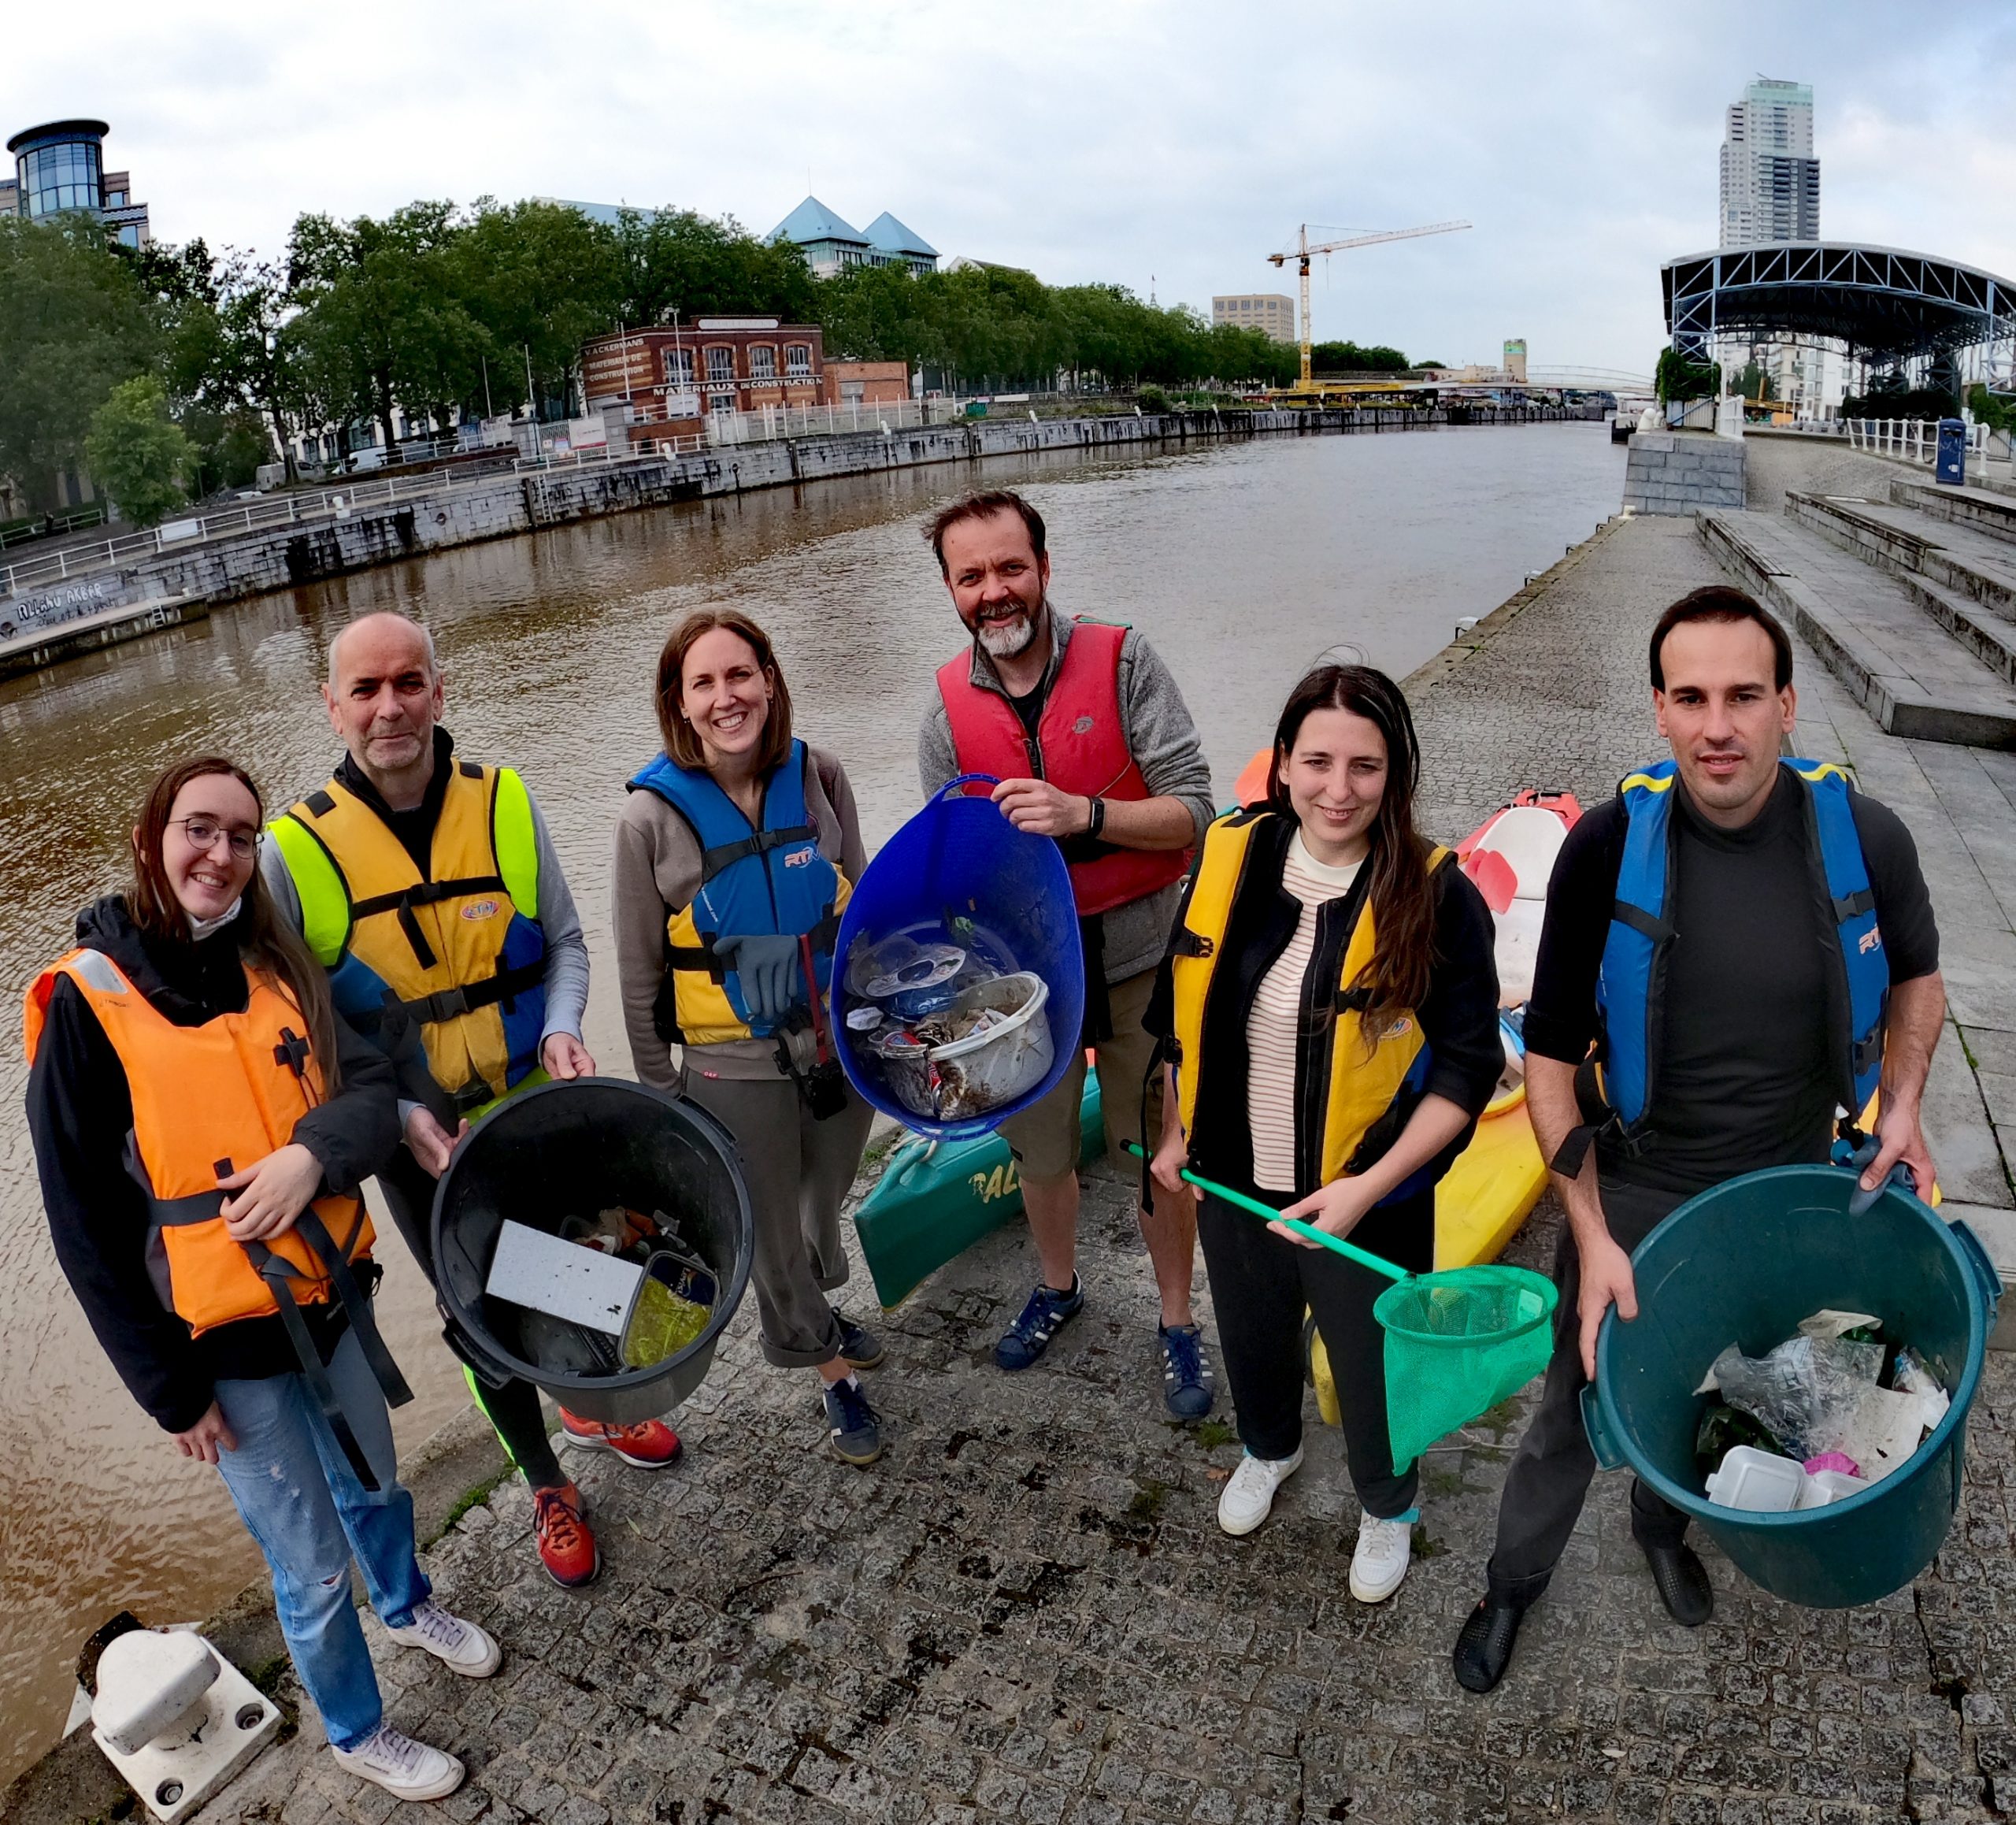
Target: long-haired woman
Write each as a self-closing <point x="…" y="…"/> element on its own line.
<point x="201" y="1121"/>
<point x="734" y="854"/>
<point x="1332" y="1002"/>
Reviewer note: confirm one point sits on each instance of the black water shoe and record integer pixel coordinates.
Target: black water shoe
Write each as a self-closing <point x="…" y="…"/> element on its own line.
<point x="1484" y="1646"/>
<point x="1682" y="1582"/>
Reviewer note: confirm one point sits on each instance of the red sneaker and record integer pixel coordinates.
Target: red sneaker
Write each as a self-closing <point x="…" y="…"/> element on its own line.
<point x="650" y="1445"/>
<point x="566" y="1543"/>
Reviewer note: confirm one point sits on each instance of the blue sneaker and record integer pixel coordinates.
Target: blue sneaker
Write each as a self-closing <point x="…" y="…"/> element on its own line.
<point x="1187" y="1389"/>
<point x="860" y="1348"/>
<point x="856" y="1433"/>
<point x="1047" y="1312"/>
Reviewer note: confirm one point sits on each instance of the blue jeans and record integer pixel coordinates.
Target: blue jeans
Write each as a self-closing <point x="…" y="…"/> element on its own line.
<point x="302" y="1501"/>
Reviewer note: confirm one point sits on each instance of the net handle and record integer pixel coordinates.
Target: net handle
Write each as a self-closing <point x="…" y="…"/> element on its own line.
<point x="1308" y="1231"/>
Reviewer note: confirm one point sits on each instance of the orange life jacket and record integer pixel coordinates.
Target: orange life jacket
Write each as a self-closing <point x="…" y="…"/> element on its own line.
<point x="208" y="1100"/>
<point x="1080" y="748"/>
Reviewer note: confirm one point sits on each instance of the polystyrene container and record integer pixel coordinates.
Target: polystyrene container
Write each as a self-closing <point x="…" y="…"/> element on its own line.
<point x="1761" y="1480"/>
<point x="1823" y="1486"/>
<point x="966" y="1078"/>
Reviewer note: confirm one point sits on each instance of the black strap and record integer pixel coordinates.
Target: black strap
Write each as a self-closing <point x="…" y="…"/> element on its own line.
<point x="312" y="1368"/>
<point x="450" y="1004"/>
<point x="1183" y="942"/>
<point x="362" y="1319"/>
<point x="1649" y="925"/>
<point x="713" y="861"/>
<point x="1352" y="1000"/>
<point x="426" y="893"/>
<point x="700" y="957"/>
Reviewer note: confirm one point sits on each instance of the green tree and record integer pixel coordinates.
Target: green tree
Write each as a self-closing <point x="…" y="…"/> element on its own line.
<point x="1350" y="358"/>
<point x="1996" y="411"/>
<point x="1677" y="378"/>
<point x="678" y="260"/>
<point x="137" y="452"/>
<point x="73" y="324"/>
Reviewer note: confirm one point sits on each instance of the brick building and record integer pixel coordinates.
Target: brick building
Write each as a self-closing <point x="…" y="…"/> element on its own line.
<point x="715" y="364"/>
<point x="866" y="383"/>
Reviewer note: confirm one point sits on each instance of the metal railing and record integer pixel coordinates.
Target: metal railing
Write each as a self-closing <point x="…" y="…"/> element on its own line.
<point x="1909" y="440"/>
<point x="53" y="525"/>
<point x="766" y="423"/>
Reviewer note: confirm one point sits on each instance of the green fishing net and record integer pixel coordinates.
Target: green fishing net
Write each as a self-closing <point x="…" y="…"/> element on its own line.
<point x="1457" y="1344"/>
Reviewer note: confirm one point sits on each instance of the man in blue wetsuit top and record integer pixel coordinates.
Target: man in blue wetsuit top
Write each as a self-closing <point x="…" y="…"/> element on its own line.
<point x="1739" y="950"/>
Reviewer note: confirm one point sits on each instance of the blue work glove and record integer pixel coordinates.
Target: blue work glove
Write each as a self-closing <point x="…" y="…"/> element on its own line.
<point x="766" y="967"/>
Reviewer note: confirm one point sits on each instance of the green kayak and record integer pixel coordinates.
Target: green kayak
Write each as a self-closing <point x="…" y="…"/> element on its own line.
<point x="936" y="1199"/>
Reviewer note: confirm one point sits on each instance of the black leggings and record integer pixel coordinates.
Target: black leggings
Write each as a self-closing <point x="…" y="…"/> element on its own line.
<point x="1260" y="1284"/>
<point x="514" y="1409"/>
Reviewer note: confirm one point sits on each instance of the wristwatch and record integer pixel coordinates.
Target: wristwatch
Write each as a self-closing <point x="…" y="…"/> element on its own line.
<point x="1094" y="815"/>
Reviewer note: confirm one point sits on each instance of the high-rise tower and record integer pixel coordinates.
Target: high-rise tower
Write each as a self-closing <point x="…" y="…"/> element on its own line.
<point x="1771" y="178"/>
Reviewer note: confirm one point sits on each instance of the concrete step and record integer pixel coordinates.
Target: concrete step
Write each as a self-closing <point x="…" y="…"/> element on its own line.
<point x="1987" y="509"/>
<point x="1904" y="541"/>
<point x="1882" y="641"/>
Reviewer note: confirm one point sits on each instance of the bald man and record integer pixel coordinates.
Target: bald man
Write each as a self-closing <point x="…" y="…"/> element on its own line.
<point x="429" y="889"/>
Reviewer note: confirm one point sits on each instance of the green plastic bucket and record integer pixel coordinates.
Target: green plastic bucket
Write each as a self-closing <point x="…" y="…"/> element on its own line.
<point x="1744" y="1263"/>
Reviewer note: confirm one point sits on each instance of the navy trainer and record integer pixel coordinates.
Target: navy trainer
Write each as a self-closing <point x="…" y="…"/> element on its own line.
<point x="856" y="1434"/>
<point x="860" y="1348"/>
<point x="1047" y="1312"/>
<point x="1187" y="1389"/>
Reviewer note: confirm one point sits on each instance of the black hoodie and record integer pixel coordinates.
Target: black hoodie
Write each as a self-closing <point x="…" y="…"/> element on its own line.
<point x="81" y="1111"/>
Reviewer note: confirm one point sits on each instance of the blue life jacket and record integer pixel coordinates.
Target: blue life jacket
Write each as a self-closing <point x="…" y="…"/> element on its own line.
<point x="1630" y="987"/>
<point x="774" y="881"/>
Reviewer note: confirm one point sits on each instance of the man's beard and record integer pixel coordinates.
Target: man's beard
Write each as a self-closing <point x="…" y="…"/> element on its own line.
<point x="1007" y="640"/>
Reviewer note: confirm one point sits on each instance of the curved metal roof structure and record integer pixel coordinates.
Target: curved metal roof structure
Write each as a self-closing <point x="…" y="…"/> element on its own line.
<point x="1882" y="302"/>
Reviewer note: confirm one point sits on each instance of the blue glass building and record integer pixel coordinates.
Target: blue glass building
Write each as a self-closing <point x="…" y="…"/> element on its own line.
<point x="59" y="167"/>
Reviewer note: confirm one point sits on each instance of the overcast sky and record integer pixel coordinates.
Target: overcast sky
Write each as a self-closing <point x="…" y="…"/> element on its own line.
<point x="1162" y="142"/>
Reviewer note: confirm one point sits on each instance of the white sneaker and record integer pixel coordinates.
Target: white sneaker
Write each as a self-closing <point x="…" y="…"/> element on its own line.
<point x="1384" y="1550"/>
<point x="1249" y="1497"/>
<point x="402" y="1767"/>
<point x="463" y="1645"/>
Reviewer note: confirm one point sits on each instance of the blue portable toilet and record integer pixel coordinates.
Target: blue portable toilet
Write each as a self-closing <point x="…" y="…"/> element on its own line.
<point x="1951" y="466"/>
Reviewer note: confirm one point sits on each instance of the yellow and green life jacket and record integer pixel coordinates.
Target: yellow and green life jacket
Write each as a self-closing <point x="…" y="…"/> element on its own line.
<point x="1362" y="1095"/>
<point x="459" y="948"/>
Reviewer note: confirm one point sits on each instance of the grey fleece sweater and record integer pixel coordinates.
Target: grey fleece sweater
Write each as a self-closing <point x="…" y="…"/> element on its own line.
<point x="1162" y="740"/>
<point x="658" y="868"/>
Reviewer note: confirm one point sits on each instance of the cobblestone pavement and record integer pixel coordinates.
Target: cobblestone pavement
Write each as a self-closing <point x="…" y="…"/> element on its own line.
<point x="1026" y="1610"/>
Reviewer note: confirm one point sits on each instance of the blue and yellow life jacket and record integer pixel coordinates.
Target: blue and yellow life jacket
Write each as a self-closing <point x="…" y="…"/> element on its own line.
<point x="1358" y="1088"/>
<point x="772" y="881"/>
<point x="460" y="947"/>
<point x="1630" y="986"/>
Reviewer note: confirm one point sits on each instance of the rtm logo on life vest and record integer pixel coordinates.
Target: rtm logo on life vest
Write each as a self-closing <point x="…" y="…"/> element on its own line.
<point x="1082" y="726"/>
<point x="480" y="909"/>
<point x="987" y="1186"/>
<point x="1872" y="940"/>
<point x="800" y="858"/>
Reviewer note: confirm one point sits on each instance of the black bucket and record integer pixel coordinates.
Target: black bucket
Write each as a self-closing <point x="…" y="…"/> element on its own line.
<point x="565" y="1149"/>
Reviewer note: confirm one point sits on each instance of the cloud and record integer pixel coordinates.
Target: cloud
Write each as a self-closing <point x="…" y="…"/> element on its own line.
<point x="1169" y="143"/>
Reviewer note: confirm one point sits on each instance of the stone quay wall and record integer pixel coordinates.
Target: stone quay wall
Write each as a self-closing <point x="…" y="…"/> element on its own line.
<point x="499" y="506"/>
<point x="1683" y="471"/>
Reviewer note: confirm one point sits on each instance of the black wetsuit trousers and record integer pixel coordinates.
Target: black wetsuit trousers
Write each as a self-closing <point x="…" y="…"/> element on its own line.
<point x="1550" y="1473"/>
<point x="514" y="1409"/>
<point x="1261" y="1286"/>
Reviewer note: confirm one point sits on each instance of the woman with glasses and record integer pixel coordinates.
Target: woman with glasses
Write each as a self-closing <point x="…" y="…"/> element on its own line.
<point x="202" y="1122"/>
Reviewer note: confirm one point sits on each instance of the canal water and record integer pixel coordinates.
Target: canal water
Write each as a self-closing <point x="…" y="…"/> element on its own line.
<point x="1243" y="563"/>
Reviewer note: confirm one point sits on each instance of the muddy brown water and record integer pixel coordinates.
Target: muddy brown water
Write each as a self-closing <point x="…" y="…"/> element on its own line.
<point x="1243" y="563"/>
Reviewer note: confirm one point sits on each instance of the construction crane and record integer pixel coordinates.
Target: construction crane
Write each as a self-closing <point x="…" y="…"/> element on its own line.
<point x="1303" y="251"/>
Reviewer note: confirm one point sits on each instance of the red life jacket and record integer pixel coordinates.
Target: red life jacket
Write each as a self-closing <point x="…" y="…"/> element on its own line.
<point x="1080" y="748"/>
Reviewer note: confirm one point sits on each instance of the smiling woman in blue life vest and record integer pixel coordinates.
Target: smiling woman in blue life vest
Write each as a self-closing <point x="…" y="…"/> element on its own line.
<point x="1329" y="1008"/>
<point x="734" y="854"/>
<point x="201" y="1121"/>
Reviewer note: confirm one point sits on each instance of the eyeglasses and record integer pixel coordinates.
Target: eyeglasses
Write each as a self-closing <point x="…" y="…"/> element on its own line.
<point x="202" y="833"/>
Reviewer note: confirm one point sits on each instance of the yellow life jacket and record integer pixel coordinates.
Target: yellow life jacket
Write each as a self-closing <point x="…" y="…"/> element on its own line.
<point x="460" y="947"/>
<point x="1365" y="1086"/>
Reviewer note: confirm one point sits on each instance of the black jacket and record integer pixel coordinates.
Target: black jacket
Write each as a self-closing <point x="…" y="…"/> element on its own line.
<point x="1459" y="1015"/>
<point x="81" y="1111"/>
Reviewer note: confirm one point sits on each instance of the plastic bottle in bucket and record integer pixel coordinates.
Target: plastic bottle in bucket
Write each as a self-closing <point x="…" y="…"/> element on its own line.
<point x="977" y="921"/>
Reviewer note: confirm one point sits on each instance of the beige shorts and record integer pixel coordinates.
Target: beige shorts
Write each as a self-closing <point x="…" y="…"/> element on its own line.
<point x="1044" y="1137"/>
